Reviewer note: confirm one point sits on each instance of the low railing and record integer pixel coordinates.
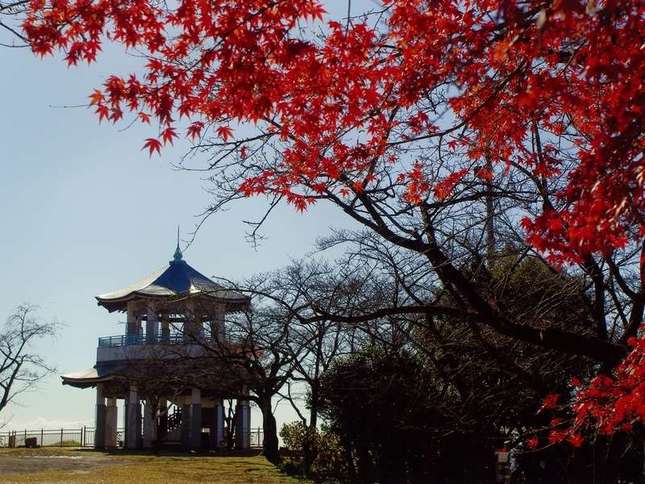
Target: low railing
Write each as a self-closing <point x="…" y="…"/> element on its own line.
<point x="65" y="437"/>
<point x="142" y="339"/>
<point x="83" y="437"/>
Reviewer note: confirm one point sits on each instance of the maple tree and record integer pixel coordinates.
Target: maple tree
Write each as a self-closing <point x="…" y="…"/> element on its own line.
<point x="402" y="116"/>
<point x="605" y="405"/>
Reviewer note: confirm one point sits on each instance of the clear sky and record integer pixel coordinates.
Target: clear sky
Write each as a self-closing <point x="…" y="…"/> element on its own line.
<point x="85" y="211"/>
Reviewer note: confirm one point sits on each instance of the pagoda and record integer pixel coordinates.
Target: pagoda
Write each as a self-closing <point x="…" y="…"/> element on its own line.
<point x="172" y="392"/>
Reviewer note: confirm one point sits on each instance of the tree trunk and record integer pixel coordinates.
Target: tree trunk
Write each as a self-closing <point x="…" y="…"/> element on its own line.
<point x="310" y="449"/>
<point x="270" y="428"/>
<point x="490" y="214"/>
<point x="349" y="459"/>
<point x="364" y="462"/>
<point x="154" y="409"/>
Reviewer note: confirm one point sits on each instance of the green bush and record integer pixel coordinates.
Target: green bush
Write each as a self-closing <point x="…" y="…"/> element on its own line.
<point x="328" y="462"/>
<point x="293" y="435"/>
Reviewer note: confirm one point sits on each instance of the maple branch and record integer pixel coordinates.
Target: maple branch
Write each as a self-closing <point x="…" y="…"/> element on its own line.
<point x="638" y="307"/>
<point x="440" y="134"/>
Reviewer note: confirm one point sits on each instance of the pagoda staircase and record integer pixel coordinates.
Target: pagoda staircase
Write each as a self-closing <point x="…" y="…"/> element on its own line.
<point x="172" y="435"/>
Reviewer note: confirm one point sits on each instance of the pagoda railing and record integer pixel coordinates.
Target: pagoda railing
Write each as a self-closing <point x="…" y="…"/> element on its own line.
<point x="142" y="339"/>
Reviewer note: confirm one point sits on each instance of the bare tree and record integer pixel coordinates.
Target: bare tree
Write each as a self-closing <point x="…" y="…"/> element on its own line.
<point x="280" y="339"/>
<point x="319" y="343"/>
<point x="314" y="342"/>
<point x="11" y="14"/>
<point x="21" y="367"/>
<point x="255" y="350"/>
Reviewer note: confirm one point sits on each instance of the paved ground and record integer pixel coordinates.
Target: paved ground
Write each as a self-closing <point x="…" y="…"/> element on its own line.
<point x="68" y="465"/>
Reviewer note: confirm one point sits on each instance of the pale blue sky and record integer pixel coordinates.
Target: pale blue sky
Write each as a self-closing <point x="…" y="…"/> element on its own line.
<point x="85" y="211"/>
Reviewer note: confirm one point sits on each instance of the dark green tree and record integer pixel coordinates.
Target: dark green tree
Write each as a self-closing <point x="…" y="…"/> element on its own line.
<point x="377" y="402"/>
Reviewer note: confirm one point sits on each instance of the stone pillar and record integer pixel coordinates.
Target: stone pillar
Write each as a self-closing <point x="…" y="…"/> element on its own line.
<point x="165" y="328"/>
<point x="134" y="419"/>
<point x="243" y="425"/>
<point x="139" y="420"/>
<point x="125" y="421"/>
<point x="185" y="425"/>
<point x="152" y="324"/>
<point x="217" y="324"/>
<point x="99" y="428"/>
<point x="133" y="326"/>
<point x="193" y="328"/>
<point x="187" y="327"/>
<point x="217" y="428"/>
<point x="163" y="417"/>
<point x="149" y="425"/>
<point x="139" y="338"/>
<point x="111" y="420"/>
<point x="196" y="420"/>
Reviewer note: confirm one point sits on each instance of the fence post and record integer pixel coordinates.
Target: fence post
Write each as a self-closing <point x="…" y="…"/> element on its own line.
<point x="61" y="437"/>
<point x="83" y="436"/>
<point x="42" y="431"/>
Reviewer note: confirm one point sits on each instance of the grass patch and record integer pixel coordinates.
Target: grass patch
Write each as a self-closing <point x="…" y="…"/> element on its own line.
<point x="64" y="443"/>
<point x="66" y="465"/>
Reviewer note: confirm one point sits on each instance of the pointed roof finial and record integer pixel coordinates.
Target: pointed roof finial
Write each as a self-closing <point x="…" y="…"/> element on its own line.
<point x="178" y="255"/>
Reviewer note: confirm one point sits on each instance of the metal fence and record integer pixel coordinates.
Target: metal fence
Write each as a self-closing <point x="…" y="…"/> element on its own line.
<point x="82" y="437"/>
<point x="78" y="437"/>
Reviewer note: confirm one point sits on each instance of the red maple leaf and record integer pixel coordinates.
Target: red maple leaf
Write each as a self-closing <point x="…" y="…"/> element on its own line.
<point x="224" y="132"/>
<point x="576" y="440"/>
<point x="152" y="145"/>
<point x="550" y="401"/>
<point x="168" y="134"/>
<point x="533" y="442"/>
<point x="96" y="97"/>
<point x="194" y="131"/>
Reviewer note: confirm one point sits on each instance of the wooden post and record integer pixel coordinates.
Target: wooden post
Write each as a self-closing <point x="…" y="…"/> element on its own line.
<point x="42" y="431"/>
<point x="61" y="437"/>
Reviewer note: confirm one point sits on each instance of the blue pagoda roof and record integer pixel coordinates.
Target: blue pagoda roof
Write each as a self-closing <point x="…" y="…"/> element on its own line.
<point x="178" y="279"/>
